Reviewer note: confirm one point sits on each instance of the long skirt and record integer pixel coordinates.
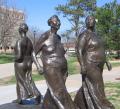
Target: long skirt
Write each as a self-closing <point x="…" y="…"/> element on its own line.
<point x="25" y="85"/>
<point x="57" y="96"/>
<point x="92" y="95"/>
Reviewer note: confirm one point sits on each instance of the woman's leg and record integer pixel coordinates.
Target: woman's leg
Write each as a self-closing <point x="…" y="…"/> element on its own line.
<point x="96" y="85"/>
<point x="32" y="87"/>
<point x="56" y="85"/>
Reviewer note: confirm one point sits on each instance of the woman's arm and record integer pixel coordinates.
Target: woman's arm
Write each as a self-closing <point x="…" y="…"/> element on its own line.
<point x="37" y="49"/>
<point x="18" y="52"/>
<point x="35" y="60"/>
<point x="80" y="49"/>
<point x="109" y="66"/>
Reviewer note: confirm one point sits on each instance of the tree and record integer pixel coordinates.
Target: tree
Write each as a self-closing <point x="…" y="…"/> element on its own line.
<point x="115" y="31"/>
<point x="66" y="36"/>
<point x="74" y="10"/>
<point x="34" y="33"/>
<point x="108" y="24"/>
<point x="9" y="20"/>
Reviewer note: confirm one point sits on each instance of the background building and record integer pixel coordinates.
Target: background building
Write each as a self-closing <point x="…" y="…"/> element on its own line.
<point x="10" y="19"/>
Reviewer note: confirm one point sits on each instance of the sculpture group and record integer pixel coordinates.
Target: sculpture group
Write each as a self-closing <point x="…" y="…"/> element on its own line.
<point x="91" y="56"/>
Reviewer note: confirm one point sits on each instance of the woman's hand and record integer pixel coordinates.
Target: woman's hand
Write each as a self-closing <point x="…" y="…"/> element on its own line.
<point x="109" y="66"/>
<point x="40" y="70"/>
<point x="83" y="70"/>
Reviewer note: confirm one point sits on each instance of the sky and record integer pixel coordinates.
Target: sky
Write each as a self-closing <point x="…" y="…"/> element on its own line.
<point x="39" y="11"/>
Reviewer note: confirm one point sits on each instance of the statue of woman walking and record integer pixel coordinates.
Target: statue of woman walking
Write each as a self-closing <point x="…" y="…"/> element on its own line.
<point x="54" y="67"/>
<point x="91" y="56"/>
<point x="23" y="68"/>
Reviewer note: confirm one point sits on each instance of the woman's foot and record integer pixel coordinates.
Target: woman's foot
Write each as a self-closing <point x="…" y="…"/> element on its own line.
<point x="38" y="99"/>
<point x="19" y="101"/>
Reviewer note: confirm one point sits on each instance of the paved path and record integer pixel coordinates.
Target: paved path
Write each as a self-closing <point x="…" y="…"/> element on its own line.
<point x="7" y="70"/>
<point x="73" y="83"/>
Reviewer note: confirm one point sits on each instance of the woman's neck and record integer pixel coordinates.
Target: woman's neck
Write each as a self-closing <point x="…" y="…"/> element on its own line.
<point x="90" y="29"/>
<point x="23" y="34"/>
<point x="53" y="31"/>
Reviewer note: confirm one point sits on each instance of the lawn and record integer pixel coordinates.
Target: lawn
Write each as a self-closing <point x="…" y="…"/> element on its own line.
<point x="116" y="64"/>
<point x="6" y="58"/>
<point x="113" y="93"/>
<point x="74" y="67"/>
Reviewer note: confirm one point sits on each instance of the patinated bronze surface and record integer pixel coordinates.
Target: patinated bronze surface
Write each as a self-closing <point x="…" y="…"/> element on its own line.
<point x="23" y="67"/>
<point x="54" y="68"/>
<point x="91" y="56"/>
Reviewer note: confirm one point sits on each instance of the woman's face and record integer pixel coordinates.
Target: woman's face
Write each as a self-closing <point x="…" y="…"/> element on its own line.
<point x="23" y="28"/>
<point x="55" y="23"/>
<point x="90" y="22"/>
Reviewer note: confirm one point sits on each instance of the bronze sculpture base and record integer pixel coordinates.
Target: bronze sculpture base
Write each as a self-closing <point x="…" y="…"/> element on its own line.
<point x="18" y="106"/>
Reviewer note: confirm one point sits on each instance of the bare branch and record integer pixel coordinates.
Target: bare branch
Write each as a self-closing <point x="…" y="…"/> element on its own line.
<point x="10" y="18"/>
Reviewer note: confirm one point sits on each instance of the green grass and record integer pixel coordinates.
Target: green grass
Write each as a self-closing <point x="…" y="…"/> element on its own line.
<point x="113" y="93"/>
<point x="37" y="77"/>
<point x="73" y="66"/>
<point x="6" y="58"/>
<point x="115" y="64"/>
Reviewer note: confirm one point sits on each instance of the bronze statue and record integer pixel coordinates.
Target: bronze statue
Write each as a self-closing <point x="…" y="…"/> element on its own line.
<point x="23" y="67"/>
<point x="91" y="56"/>
<point x="54" y="67"/>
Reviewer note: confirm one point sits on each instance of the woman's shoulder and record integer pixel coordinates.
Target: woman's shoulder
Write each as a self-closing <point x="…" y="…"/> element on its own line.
<point x="44" y="35"/>
<point x="59" y="37"/>
<point x="83" y="34"/>
<point x="19" y="41"/>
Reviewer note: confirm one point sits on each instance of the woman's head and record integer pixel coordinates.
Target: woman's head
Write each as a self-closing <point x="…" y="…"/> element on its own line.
<point x="54" y="22"/>
<point x="23" y="28"/>
<point x="90" y="22"/>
